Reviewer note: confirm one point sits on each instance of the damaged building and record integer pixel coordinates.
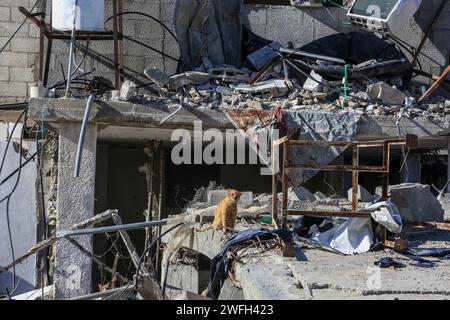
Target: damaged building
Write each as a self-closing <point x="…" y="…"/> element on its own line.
<point x="126" y="123"/>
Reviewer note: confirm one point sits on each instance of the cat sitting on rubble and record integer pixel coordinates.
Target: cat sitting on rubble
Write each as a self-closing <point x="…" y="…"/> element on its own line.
<point x="225" y="214"/>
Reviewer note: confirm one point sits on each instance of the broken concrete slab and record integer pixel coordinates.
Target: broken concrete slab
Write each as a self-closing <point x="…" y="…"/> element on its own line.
<point x="188" y="78"/>
<point x="265" y="89"/>
<point x="269" y="278"/>
<point x="215" y="196"/>
<point x="230" y="292"/>
<point x="262" y="57"/>
<point x="187" y="277"/>
<point x="384" y="92"/>
<point x="157" y="76"/>
<point x="363" y="195"/>
<point x="415" y="202"/>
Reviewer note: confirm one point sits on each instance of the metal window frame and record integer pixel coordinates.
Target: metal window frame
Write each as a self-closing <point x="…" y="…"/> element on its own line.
<point x="355" y="168"/>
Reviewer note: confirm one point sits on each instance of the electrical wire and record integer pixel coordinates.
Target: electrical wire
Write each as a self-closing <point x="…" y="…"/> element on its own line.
<point x="20" y="27"/>
<point x="148" y="16"/>
<point x="141" y="259"/>
<point x="8" y="197"/>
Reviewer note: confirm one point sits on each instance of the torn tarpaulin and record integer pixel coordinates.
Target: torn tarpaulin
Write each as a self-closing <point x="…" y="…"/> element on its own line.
<point x="318" y="126"/>
<point x="208" y="28"/>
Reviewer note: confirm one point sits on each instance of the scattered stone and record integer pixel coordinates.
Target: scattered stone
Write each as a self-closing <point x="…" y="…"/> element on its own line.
<point x="314" y="86"/>
<point x="384" y="92"/>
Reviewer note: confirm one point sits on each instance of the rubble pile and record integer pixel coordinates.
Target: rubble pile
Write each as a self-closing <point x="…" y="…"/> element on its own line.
<point x="276" y="77"/>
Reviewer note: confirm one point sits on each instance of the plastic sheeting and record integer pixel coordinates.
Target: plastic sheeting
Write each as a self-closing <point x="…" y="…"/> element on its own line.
<point x="208" y="29"/>
<point x="387" y="214"/>
<point x="319" y="126"/>
<point x="356" y="235"/>
<point x="353" y="236"/>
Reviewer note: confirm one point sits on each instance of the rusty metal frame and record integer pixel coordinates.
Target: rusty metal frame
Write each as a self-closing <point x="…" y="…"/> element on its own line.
<point x="47" y="32"/>
<point x="355" y="168"/>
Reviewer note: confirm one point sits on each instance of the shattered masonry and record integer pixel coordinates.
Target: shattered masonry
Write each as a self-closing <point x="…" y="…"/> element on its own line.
<point x="101" y="210"/>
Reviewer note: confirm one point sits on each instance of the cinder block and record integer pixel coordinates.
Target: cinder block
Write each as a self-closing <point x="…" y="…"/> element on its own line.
<point x="5" y="13"/>
<point x="25" y="45"/>
<point x="13" y="59"/>
<point x="8" y="28"/>
<point x="4" y="74"/>
<point x="13" y="89"/>
<point x="23" y="74"/>
<point x="15" y="3"/>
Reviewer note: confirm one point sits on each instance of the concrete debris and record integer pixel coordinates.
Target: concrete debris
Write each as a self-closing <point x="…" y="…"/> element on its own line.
<point x="416" y="203"/>
<point x="178" y="81"/>
<point x="128" y="90"/>
<point x="229" y="74"/>
<point x="157" y="76"/>
<point x="266" y="89"/>
<point x="384" y="92"/>
<point x="264" y="56"/>
<point x="315" y="85"/>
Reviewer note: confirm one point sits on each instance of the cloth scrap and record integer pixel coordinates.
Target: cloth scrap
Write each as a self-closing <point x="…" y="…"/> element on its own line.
<point x="387" y="262"/>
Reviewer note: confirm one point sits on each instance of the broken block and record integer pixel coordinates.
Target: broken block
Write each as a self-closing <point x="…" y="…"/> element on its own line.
<point x="262" y="57"/>
<point x="265" y="89"/>
<point x="157" y="76"/>
<point x="128" y="90"/>
<point x="215" y="196"/>
<point x="363" y="195"/>
<point x="188" y="78"/>
<point x="384" y="92"/>
<point x="314" y="86"/>
<point x="416" y="203"/>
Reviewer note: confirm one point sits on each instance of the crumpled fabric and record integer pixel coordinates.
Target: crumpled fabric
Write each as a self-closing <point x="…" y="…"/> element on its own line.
<point x="386" y="213"/>
<point x="387" y="262"/>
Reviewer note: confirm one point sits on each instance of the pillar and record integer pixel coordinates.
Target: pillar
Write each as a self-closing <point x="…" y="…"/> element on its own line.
<point x="72" y="275"/>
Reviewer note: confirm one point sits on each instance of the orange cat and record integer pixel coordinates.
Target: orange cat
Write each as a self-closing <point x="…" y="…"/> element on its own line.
<point x="226" y="212"/>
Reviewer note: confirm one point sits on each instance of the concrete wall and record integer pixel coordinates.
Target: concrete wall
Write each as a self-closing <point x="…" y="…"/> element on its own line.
<point x="23" y="221"/>
<point x="299" y="25"/>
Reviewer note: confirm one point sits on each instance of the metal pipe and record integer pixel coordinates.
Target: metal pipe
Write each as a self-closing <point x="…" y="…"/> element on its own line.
<point x="311" y="55"/>
<point x="131" y="226"/>
<point x="173" y="113"/>
<point x="102" y="294"/>
<point x="72" y="47"/>
<point x="82" y="135"/>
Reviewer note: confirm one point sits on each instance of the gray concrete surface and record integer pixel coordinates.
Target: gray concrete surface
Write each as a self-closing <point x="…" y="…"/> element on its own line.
<point x="75" y="203"/>
<point x="329" y="276"/>
<point x="23" y="219"/>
